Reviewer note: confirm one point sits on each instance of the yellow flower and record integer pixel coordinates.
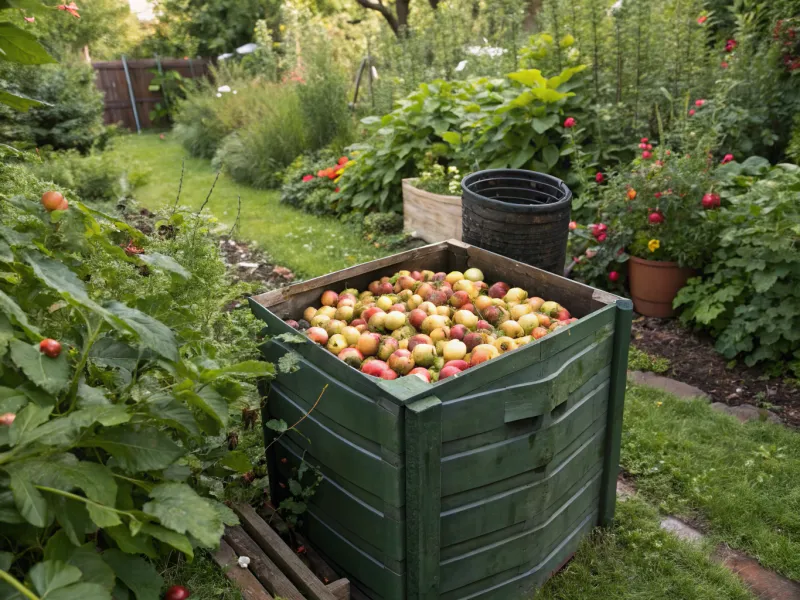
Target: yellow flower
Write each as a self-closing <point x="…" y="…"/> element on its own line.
<point x="653" y="245"/>
<point x="659" y="403"/>
<point x="281" y="27"/>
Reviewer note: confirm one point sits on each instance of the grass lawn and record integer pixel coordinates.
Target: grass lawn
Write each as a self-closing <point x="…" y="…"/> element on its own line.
<point x="307" y="244"/>
<point x="740" y="483"/>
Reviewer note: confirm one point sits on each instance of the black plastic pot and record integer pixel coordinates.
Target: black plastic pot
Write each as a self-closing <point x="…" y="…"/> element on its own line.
<point x="520" y="214"/>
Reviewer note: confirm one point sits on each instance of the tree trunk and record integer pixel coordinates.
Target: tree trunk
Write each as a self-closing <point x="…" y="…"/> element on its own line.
<point x="402" y="7"/>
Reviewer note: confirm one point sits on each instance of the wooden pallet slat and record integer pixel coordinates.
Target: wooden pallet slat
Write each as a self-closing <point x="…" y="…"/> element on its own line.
<point x="247" y="583"/>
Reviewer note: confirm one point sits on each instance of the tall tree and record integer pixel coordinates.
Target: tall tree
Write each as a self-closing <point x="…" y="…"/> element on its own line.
<point x="396" y="14"/>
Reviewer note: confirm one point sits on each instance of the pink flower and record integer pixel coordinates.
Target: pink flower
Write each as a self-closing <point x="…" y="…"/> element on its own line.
<point x="29" y="19"/>
<point x="699" y="102"/>
<point x="701" y="19"/>
<point x="613" y="276"/>
<point x="573" y="225"/>
<point x="646" y="154"/>
<point x="599" y="178"/>
<point x="307" y="178"/>
<point x="726" y="159"/>
<point x="656" y="218"/>
<point x="649" y="146"/>
<point x="643" y="146"/>
<point x="660" y="163"/>
<point x="570" y="122"/>
<point x="644" y="140"/>
<point x="724" y="65"/>
<point x="601" y="237"/>
<point x="691" y="112"/>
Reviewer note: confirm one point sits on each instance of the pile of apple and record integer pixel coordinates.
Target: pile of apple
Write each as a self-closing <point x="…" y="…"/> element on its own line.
<point x="432" y="325"/>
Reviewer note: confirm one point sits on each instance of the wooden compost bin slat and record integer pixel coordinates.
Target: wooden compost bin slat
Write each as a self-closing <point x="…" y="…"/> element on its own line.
<point x="477" y="486"/>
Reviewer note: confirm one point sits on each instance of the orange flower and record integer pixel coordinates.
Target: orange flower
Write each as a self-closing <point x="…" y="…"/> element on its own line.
<point x="631" y="194"/>
<point x="70" y="8"/>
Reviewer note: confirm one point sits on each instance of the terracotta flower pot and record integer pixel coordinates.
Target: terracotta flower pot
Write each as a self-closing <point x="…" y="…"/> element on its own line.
<point x="654" y="285"/>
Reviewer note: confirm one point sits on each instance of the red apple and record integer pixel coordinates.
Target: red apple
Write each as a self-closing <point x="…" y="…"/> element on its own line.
<point x="440" y="276"/>
<point x="499" y="289"/>
<point x="368" y="344"/>
<point x="539" y="332"/>
<point x="352" y="357"/>
<point x="398" y="308"/>
<point x="563" y="315"/>
<point x="329" y="298"/>
<point x="416" y="317"/>
<point x="374" y="367"/>
<point x="448" y="372"/>
<point x="461" y="365"/>
<point x="367" y="314"/>
<point x="375" y="287"/>
<point x="422" y="373"/>
<point x="483" y="324"/>
<point x="357" y="322"/>
<point x="388" y="374"/>
<point x="318" y="335"/>
<point x="457" y="332"/>
<point x="416" y="276"/>
<point x="401" y="362"/>
<point x="420" y="338"/>
<point x="437" y="297"/>
<point x="387" y="346"/>
<point x="459" y="299"/>
<point x="385" y="288"/>
<point x="472" y="340"/>
<point x="470" y="307"/>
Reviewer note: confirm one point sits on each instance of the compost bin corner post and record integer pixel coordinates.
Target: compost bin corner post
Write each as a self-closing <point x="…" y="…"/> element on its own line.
<point x="616" y="404"/>
<point x="423" y="441"/>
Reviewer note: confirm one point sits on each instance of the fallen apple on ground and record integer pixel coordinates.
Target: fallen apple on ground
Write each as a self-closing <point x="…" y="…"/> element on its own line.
<point x="429" y="325"/>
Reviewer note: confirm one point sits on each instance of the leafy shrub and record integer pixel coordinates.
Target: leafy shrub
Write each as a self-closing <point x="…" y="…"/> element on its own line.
<point x="94" y="178"/>
<point x="111" y="438"/>
<point x="73" y="117"/>
<point x="310" y="182"/>
<point x="651" y="209"/>
<point x="481" y="123"/>
<point x="378" y="224"/>
<point x="435" y="179"/>
<point x="748" y="297"/>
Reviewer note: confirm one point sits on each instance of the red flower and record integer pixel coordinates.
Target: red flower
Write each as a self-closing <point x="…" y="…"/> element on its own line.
<point x="70" y="8"/>
<point x="644" y="140"/>
<point x="601" y="238"/>
<point x="649" y="146"/>
<point x="724" y="65"/>
<point x="599" y="178"/>
<point x="691" y="112"/>
<point x="726" y="159"/>
<point x="656" y="218"/>
<point x="613" y="276"/>
<point x="701" y="19"/>
<point x="658" y="194"/>
<point x="646" y="154"/>
<point x="132" y="249"/>
<point x="599" y="229"/>
<point x="710" y="201"/>
<point x="730" y="45"/>
<point x="307" y="178"/>
<point x="569" y="122"/>
<point x="573" y="225"/>
<point x="343" y="160"/>
<point x="699" y="102"/>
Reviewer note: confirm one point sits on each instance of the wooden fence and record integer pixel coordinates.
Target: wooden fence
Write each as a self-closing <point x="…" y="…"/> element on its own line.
<point x="111" y="80"/>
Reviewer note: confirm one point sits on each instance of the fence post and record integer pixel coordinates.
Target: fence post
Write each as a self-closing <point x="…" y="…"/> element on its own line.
<point x="132" y="95"/>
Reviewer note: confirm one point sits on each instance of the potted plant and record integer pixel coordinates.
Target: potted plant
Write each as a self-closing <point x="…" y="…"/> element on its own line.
<point x="657" y="216"/>
<point x="432" y="203"/>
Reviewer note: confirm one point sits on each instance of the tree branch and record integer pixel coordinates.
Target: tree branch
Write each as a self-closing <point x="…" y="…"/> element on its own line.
<point x="434" y="4"/>
<point x="386" y="12"/>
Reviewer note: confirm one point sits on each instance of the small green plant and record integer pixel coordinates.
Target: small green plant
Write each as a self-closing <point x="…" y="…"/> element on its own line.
<point x="639" y="360"/>
<point x="436" y="179"/>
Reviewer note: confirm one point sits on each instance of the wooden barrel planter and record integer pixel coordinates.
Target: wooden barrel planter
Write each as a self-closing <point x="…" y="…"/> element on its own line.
<point x="433" y="217"/>
<point x="520" y="214"/>
<point x="479" y="486"/>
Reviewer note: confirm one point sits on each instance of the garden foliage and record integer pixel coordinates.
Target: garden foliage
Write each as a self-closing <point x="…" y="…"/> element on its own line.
<point x="117" y="441"/>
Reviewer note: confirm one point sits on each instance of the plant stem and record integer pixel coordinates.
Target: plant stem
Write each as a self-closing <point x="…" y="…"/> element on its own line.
<point x="73" y="386"/>
<point x="10" y="580"/>
<point x="72" y="496"/>
<point x="300" y="420"/>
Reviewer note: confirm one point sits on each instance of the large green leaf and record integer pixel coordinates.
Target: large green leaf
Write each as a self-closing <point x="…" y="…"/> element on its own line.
<point x="30" y="502"/>
<point x="50" y="374"/>
<point x="81" y="591"/>
<point x="137" y="450"/>
<point x="65" y="472"/>
<point x="171" y="538"/>
<point x="152" y="333"/>
<point x="6" y="560"/>
<point x="237" y="461"/>
<point x="166" y="263"/>
<point x="131" y="544"/>
<point x="73" y="518"/>
<point x="135" y="572"/>
<point x="17" y="45"/>
<point x="92" y="565"/>
<point x="18" y="102"/>
<point x="180" y="508"/>
<point x="550" y="155"/>
<point x="529" y="77"/>
<point x="542" y="124"/>
<point x="49" y="575"/>
<point x="210" y="402"/>
<point x="27" y="419"/>
<point x="247" y="368"/>
<point x="172" y="412"/>
<point x="112" y="353"/>
<point x="8" y="510"/>
<point x="12" y="310"/>
<point x="64" y="430"/>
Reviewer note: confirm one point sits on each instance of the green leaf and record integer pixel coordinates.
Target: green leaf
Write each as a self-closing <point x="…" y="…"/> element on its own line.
<point x="166" y="263"/>
<point x="8" y="510"/>
<point x="112" y="353"/>
<point x="19" y="102"/>
<point x="542" y="124"/>
<point x="152" y="333"/>
<point x="179" y="507"/>
<point x="549" y="96"/>
<point x="130" y="544"/>
<point x="6" y="560"/>
<point x="452" y="138"/>
<point x="550" y="154"/>
<point x="529" y="77"/>
<point x="172" y="412"/>
<point x="102" y="516"/>
<point x="137" y="573"/>
<point x="19" y="46"/>
<point x="137" y="450"/>
<point x="210" y="402"/>
<point x="27" y="419"/>
<point x="94" y="568"/>
<point x="50" y="575"/>
<point x="763" y="281"/>
<point x="81" y="591"/>
<point x="176" y="540"/>
<point x="247" y="368"/>
<point x="30" y="502"/>
<point x="58" y="547"/>
<point x="237" y="461"/>
<point x="12" y="310"/>
<point x="50" y="374"/>
<point x="65" y="472"/>
<point x="73" y="518"/>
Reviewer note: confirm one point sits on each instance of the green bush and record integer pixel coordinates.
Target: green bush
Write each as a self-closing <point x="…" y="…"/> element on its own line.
<point x="310" y="182"/>
<point x="379" y="224"/>
<point x="748" y="296"/>
<point x="73" y="117"/>
<point x="477" y="124"/>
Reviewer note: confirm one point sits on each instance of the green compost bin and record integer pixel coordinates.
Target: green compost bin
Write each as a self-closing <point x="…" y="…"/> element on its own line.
<point x="478" y="486"/>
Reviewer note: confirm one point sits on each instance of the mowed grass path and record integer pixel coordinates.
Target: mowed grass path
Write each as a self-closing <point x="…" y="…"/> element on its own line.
<point x="307" y="244"/>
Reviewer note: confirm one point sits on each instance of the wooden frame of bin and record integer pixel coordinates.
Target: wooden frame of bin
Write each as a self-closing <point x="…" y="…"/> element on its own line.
<point x="410" y="507"/>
